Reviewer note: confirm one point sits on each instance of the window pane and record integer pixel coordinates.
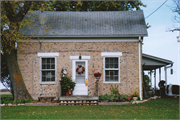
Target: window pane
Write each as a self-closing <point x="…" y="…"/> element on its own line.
<point x="115" y="61"/>
<point x="52" y="60"/>
<point x="44" y="60"/>
<point x="107" y="60"/>
<point x="111" y="75"/>
<point x="115" y="65"/>
<point x="107" y="66"/>
<point x="111" y="66"/>
<point x="107" y="78"/>
<point x="43" y="78"/>
<point x="52" y="66"/>
<point x="116" y="72"/>
<point x="111" y="63"/>
<point x="111" y="60"/>
<point x="48" y="60"/>
<point x="53" y="79"/>
<point x="43" y="73"/>
<point x="48" y="79"/>
<point x="43" y="66"/>
<point x="115" y="78"/>
<point x="107" y="72"/>
<point x="53" y="73"/>
<point x="48" y="66"/>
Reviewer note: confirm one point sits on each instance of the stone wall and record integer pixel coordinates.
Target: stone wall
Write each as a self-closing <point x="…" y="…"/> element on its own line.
<point x="29" y="64"/>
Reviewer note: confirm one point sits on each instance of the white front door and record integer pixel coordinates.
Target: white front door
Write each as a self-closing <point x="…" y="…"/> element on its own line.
<point x="80" y="88"/>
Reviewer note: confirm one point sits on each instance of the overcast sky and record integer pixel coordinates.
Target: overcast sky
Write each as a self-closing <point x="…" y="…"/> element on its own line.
<point x="159" y="42"/>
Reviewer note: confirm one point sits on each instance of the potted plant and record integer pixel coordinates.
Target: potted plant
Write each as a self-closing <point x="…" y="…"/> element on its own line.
<point x="135" y="95"/>
<point x="97" y="75"/>
<point x="67" y="85"/>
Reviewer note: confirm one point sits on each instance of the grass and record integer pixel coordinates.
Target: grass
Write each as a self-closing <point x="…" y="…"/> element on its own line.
<point x="164" y="108"/>
<point x="6" y="99"/>
<point x="6" y="96"/>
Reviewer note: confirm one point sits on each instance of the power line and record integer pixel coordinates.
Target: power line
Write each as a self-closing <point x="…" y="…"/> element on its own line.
<point x="156" y="9"/>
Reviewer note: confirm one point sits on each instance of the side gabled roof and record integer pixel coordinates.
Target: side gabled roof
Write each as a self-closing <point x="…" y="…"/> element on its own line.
<point x="102" y="23"/>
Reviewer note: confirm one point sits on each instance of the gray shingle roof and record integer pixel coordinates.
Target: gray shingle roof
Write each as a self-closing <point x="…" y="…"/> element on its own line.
<point x="101" y="23"/>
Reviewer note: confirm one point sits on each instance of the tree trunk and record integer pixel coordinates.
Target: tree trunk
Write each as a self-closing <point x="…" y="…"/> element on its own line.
<point x="19" y="88"/>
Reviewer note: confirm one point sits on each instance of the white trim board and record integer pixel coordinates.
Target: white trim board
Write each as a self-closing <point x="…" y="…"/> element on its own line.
<point x="85" y="40"/>
<point x="111" y="54"/>
<point x="82" y="57"/>
<point x="48" y="54"/>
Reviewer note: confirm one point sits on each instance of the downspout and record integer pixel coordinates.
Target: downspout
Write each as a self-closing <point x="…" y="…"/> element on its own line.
<point x="165" y="69"/>
<point x="140" y="41"/>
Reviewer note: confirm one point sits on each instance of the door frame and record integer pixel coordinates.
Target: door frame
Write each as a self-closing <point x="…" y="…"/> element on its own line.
<point x="76" y="59"/>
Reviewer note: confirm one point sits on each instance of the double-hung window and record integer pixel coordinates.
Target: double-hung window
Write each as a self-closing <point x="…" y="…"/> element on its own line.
<point x="111" y="62"/>
<point x="48" y="68"/>
<point x="111" y="69"/>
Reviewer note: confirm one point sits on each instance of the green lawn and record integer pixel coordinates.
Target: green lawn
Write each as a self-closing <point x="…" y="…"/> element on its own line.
<point x="164" y="108"/>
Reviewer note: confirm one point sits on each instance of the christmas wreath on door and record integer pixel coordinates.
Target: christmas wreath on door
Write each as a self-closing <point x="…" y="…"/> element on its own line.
<point x="80" y="69"/>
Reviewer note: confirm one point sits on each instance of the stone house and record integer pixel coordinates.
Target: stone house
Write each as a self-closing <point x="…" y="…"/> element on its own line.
<point x="108" y="42"/>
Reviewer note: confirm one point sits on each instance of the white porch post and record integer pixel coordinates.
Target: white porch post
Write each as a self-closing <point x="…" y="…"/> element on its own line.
<point x="165" y="70"/>
<point x="155" y="79"/>
<point x="159" y="74"/>
<point x="151" y="77"/>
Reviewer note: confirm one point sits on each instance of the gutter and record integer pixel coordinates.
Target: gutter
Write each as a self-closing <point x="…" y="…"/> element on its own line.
<point x="140" y="41"/>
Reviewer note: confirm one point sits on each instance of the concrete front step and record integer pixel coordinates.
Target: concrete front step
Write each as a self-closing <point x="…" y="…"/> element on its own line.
<point x="78" y="100"/>
<point x="80" y="92"/>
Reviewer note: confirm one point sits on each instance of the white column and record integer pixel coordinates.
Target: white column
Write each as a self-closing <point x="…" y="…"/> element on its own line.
<point x="155" y="79"/>
<point x="151" y="77"/>
<point x="165" y="70"/>
<point x="159" y="74"/>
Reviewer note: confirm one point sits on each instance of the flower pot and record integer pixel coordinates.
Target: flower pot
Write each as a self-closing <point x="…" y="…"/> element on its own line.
<point x="67" y="93"/>
<point x="135" y="98"/>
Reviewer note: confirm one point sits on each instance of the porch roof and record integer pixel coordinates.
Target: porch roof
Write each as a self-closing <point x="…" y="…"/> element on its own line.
<point x="152" y="62"/>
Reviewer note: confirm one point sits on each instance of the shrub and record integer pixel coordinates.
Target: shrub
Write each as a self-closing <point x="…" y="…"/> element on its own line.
<point x="114" y="89"/>
<point x="123" y="97"/>
<point x="67" y="82"/>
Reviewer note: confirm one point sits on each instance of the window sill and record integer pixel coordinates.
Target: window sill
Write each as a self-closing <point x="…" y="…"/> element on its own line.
<point x="111" y="82"/>
<point x="44" y="83"/>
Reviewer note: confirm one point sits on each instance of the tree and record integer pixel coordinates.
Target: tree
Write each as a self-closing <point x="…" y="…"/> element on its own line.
<point x="12" y="14"/>
<point x="12" y="20"/>
<point x="146" y="86"/>
<point x="176" y="9"/>
<point x="5" y="78"/>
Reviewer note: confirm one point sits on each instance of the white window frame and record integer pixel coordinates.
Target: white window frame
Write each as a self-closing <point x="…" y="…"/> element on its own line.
<point x="48" y="55"/>
<point x="111" y="55"/>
